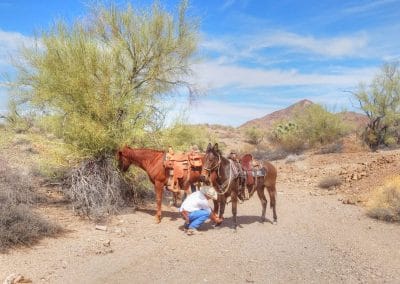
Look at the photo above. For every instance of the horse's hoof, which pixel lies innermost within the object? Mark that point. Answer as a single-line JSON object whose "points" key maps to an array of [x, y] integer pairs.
{"points": [[275, 222], [158, 220]]}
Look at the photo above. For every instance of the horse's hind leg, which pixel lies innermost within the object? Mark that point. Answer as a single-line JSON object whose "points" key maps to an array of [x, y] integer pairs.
{"points": [[263, 199], [272, 196]]}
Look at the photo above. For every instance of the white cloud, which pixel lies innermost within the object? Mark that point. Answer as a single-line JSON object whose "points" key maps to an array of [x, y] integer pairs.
{"points": [[368, 6], [227, 4], [214, 75], [330, 47], [257, 45], [226, 113], [10, 42]]}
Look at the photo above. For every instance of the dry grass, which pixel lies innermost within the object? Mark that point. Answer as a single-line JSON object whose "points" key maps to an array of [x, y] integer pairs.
{"points": [[19, 225], [336, 147], [384, 202], [330, 182]]}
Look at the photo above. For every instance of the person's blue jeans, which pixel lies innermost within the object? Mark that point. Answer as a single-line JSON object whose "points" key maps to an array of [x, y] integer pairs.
{"points": [[196, 218]]}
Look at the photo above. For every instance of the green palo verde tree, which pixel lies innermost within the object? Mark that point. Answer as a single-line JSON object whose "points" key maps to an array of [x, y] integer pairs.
{"points": [[102, 81], [380, 101]]}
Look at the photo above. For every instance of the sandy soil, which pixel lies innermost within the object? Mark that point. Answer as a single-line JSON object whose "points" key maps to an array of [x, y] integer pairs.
{"points": [[318, 239]]}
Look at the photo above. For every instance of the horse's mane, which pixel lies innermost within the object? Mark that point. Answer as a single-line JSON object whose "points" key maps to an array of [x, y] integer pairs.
{"points": [[128, 151]]}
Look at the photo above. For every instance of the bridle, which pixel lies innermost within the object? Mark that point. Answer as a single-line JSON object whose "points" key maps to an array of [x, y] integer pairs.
{"points": [[225, 186]]}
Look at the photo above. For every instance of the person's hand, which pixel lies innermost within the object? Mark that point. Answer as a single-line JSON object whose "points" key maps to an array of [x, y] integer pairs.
{"points": [[185, 216], [215, 218]]}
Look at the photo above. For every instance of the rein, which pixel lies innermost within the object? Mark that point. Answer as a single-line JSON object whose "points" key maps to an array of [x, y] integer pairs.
{"points": [[225, 186]]}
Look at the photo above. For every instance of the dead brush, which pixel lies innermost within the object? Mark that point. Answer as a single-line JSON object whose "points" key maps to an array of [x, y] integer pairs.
{"points": [[19, 225], [97, 189], [384, 202], [330, 182]]}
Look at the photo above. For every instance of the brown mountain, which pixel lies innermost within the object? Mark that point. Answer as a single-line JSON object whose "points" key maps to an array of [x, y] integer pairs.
{"points": [[357, 120], [268, 120]]}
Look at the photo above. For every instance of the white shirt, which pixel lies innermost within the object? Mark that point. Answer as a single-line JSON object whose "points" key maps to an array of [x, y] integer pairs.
{"points": [[195, 201]]}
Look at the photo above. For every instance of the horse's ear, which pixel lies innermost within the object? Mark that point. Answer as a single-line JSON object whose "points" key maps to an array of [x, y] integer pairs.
{"points": [[216, 147], [209, 147]]}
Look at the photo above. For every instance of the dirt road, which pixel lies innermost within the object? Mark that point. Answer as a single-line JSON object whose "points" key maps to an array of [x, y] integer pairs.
{"points": [[317, 240]]}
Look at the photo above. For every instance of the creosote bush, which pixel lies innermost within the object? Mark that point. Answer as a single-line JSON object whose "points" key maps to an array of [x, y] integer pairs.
{"points": [[384, 202]]}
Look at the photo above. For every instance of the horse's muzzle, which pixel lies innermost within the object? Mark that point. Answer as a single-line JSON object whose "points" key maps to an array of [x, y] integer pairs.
{"points": [[205, 176]]}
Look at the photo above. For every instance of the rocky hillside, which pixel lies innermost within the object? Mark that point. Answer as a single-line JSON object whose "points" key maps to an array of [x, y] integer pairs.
{"points": [[234, 138], [354, 119], [268, 120]]}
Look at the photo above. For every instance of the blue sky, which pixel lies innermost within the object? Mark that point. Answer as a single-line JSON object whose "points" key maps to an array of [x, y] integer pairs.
{"points": [[258, 56]]}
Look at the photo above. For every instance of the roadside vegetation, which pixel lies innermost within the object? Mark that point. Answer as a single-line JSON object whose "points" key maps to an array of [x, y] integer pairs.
{"points": [[380, 101], [384, 202], [19, 224], [88, 88], [311, 127]]}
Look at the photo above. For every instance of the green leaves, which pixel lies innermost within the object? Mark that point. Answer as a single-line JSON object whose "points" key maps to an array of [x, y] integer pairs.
{"points": [[103, 78], [381, 103]]}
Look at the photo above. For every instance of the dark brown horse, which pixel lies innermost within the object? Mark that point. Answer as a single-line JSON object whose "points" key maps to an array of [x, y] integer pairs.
{"points": [[152, 162], [218, 170]]}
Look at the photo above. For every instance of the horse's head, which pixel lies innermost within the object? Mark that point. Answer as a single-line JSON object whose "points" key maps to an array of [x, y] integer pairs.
{"points": [[211, 162], [123, 161]]}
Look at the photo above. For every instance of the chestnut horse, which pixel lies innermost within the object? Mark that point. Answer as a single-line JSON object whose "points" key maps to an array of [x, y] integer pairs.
{"points": [[218, 170], [260, 183], [152, 162]]}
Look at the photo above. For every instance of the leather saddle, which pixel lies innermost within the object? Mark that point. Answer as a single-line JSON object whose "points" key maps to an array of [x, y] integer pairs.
{"points": [[178, 166], [252, 168]]}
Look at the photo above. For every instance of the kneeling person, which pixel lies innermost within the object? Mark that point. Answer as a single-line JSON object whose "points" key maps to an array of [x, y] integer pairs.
{"points": [[196, 210]]}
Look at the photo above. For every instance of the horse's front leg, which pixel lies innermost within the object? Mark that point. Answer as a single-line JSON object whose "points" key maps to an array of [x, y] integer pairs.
{"points": [[216, 209], [234, 199], [222, 203], [158, 187]]}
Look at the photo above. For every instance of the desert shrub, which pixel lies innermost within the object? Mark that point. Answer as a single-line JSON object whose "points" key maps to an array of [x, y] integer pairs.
{"points": [[384, 202], [330, 182], [310, 127], [182, 136], [319, 126], [336, 147], [97, 189], [254, 135], [19, 225], [294, 158], [16, 188], [287, 136], [270, 155]]}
